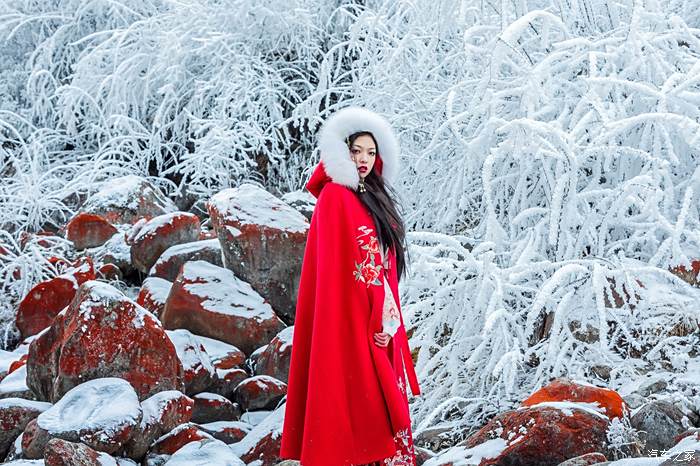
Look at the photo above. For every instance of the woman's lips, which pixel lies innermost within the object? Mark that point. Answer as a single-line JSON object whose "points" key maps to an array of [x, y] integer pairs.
{"points": [[363, 169]]}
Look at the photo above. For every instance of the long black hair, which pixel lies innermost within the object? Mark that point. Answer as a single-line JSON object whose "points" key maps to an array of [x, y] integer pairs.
{"points": [[381, 201]]}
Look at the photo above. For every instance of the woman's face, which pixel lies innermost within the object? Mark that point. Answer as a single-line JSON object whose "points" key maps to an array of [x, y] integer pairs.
{"points": [[363, 152]]}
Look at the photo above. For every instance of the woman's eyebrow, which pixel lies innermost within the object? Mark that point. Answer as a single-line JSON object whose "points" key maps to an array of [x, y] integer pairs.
{"points": [[362, 147]]}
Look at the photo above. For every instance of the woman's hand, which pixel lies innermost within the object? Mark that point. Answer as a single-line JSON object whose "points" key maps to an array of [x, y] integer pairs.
{"points": [[382, 339]]}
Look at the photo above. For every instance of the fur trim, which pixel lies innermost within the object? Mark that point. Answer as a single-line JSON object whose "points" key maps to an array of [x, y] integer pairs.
{"points": [[335, 154]]}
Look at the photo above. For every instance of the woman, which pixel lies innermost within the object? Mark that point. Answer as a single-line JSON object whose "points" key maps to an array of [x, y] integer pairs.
{"points": [[347, 402]]}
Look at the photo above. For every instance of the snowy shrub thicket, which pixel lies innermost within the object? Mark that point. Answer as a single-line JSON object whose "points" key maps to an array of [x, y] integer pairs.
{"points": [[550, 176]]}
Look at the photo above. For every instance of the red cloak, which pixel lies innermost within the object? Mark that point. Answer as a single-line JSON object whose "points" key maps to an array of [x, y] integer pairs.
{"points": [[346, 399]]}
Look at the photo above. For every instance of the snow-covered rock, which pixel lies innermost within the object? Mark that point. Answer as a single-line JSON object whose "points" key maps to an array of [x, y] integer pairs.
{"points": [[205, 453], [263, 441], [159, 234], [227, 431], [103, 334], [15, 414], [59, 452], [153, 294], [211, 301], [161, 413], [199, 372], [100, 413], [180, 436], [210, 407], [259, 392], [169, 263], [275, 358], [14, 385], [89, 230], [263, 242], [126, 199]]}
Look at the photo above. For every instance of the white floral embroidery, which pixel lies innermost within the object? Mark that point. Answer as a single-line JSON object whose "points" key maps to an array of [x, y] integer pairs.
{"points": [[402, 387], [391, 320]]}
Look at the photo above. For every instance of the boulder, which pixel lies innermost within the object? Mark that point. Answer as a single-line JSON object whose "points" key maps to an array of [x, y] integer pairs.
{"points": [[60, 452], [103, 334], [15, 414], [101, 413], [263, 242], [564, 390], [39, 307], [177, 438], [543, 435], [659, 423], [263, 441], [159, 234], [275, 358], [162, 412], [259, 392], [211, 301], [14, 385], [227, 431], [204, 453], [127, 199], [169, 263], [199, 373], [89, 231], [210, 407], [153, 294]]}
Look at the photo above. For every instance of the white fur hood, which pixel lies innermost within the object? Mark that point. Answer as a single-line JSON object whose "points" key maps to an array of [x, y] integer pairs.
{"points": [[334, 151]]}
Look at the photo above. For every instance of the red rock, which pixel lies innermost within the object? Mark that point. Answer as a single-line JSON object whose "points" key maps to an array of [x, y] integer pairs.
{"points": [[89, 230], [259, 392], [543, 435], [103, 334], [211, 301], [227, 431], [566, 390], [15, 414], [690, 276], [263, 242], [126, 199], [153, 294], [17, 364], [210, 407], [262, 443], [199, 373], [160, 233], [39, 307], [60, 452], [170, 262], [109, 272], [177, 438], [275, 358], [227, 381], [34, 441], [162, 413]]}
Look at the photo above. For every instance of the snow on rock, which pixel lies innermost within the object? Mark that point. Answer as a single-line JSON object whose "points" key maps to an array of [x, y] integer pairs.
{"points": [[60, 452], [25, 463], [161, 413], [103, 334], [210, 407], [263, 241], [199, 372], [227, 431], [153, 294], [101, 413], [205, 453], [116, 251], [228, 380], [260, 392], [463, 456], [223, 355], [159, 234], [180, 436], [301, 200], [169, 263], [89, 230], [15, 414], [211, 301], [275, 358], [39, 307], [543, 435], [128, 198], [15, 384], [608, 401], [263, 441]]}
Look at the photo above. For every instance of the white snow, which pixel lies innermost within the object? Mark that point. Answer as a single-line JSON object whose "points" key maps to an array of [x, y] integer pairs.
{"points": [[186, 249], [206, 452], [106, 405], [153, 227], [22, 403], [212, 397], [124, 192], [154, 406], [216, 349], [224, 293], [286, 337], [219, 426], [251, 205], [158, 289], [190, 351], [271, 422], [104, 294], [15, 382], [255, 417], [8, 357], [463, 456], [567, 407]]}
